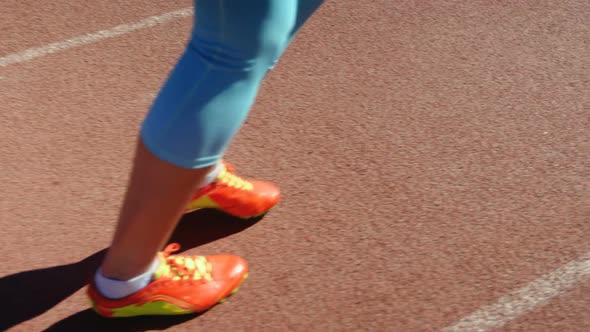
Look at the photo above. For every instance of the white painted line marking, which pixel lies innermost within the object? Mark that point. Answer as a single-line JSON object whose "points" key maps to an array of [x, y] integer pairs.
{"points": [[93, 37], [520, 301]]}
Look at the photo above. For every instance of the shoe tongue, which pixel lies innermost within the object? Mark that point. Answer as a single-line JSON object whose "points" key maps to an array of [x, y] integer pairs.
{"points": [[222, 172], [161, 267]]}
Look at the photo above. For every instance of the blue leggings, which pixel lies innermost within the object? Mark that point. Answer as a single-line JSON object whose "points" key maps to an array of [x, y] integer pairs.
{"points": [[210, 91]]}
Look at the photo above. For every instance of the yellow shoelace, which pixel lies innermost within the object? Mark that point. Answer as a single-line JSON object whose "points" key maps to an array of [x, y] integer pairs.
{"points": [[184, 267], [230, 179]]}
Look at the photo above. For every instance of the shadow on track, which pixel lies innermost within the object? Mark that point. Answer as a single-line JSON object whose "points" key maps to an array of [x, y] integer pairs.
{"points": [[26, 295]]}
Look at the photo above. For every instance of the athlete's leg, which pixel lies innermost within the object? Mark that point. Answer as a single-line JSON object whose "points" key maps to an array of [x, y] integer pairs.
{"points": [[258, 196], [153, 203], [197, 113], [215, 84]]}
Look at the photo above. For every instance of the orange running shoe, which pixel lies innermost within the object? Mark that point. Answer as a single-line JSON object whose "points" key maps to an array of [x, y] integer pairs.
{"points": [[242, 198], [181, 285]]}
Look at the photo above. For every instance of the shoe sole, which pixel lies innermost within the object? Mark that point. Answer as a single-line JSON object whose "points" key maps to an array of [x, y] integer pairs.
{"points": [[222, 300], [233, 215], [235, 290]]}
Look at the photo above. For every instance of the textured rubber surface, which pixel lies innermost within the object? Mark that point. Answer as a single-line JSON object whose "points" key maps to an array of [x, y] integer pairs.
{"points": [[432, 157]]}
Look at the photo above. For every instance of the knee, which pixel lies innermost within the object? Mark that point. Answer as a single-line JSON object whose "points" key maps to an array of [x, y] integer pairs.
{"points": [[272, 43], [244, 44]]}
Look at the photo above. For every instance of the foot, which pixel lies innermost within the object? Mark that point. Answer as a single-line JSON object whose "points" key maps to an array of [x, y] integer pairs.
{"points": [[181, 285], [236, 196]]}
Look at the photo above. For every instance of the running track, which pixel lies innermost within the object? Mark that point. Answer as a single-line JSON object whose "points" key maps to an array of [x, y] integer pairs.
{"points": [[433, 157]]}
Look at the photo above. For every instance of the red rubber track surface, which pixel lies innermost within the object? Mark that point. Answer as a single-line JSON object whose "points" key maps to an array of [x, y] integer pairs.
{"points": [[433, 156]]}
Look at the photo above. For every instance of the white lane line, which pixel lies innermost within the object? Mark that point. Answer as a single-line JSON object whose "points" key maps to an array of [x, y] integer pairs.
{"points": [[520, 301], [93, 37]]}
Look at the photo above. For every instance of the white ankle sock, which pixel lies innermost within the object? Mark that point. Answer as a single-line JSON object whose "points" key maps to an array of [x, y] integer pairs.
{"points": [[211, 176], [116, 289]]}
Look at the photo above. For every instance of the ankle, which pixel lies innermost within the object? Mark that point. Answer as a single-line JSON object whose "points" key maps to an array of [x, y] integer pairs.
{"points": [[114, 288], [211, 176]]}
